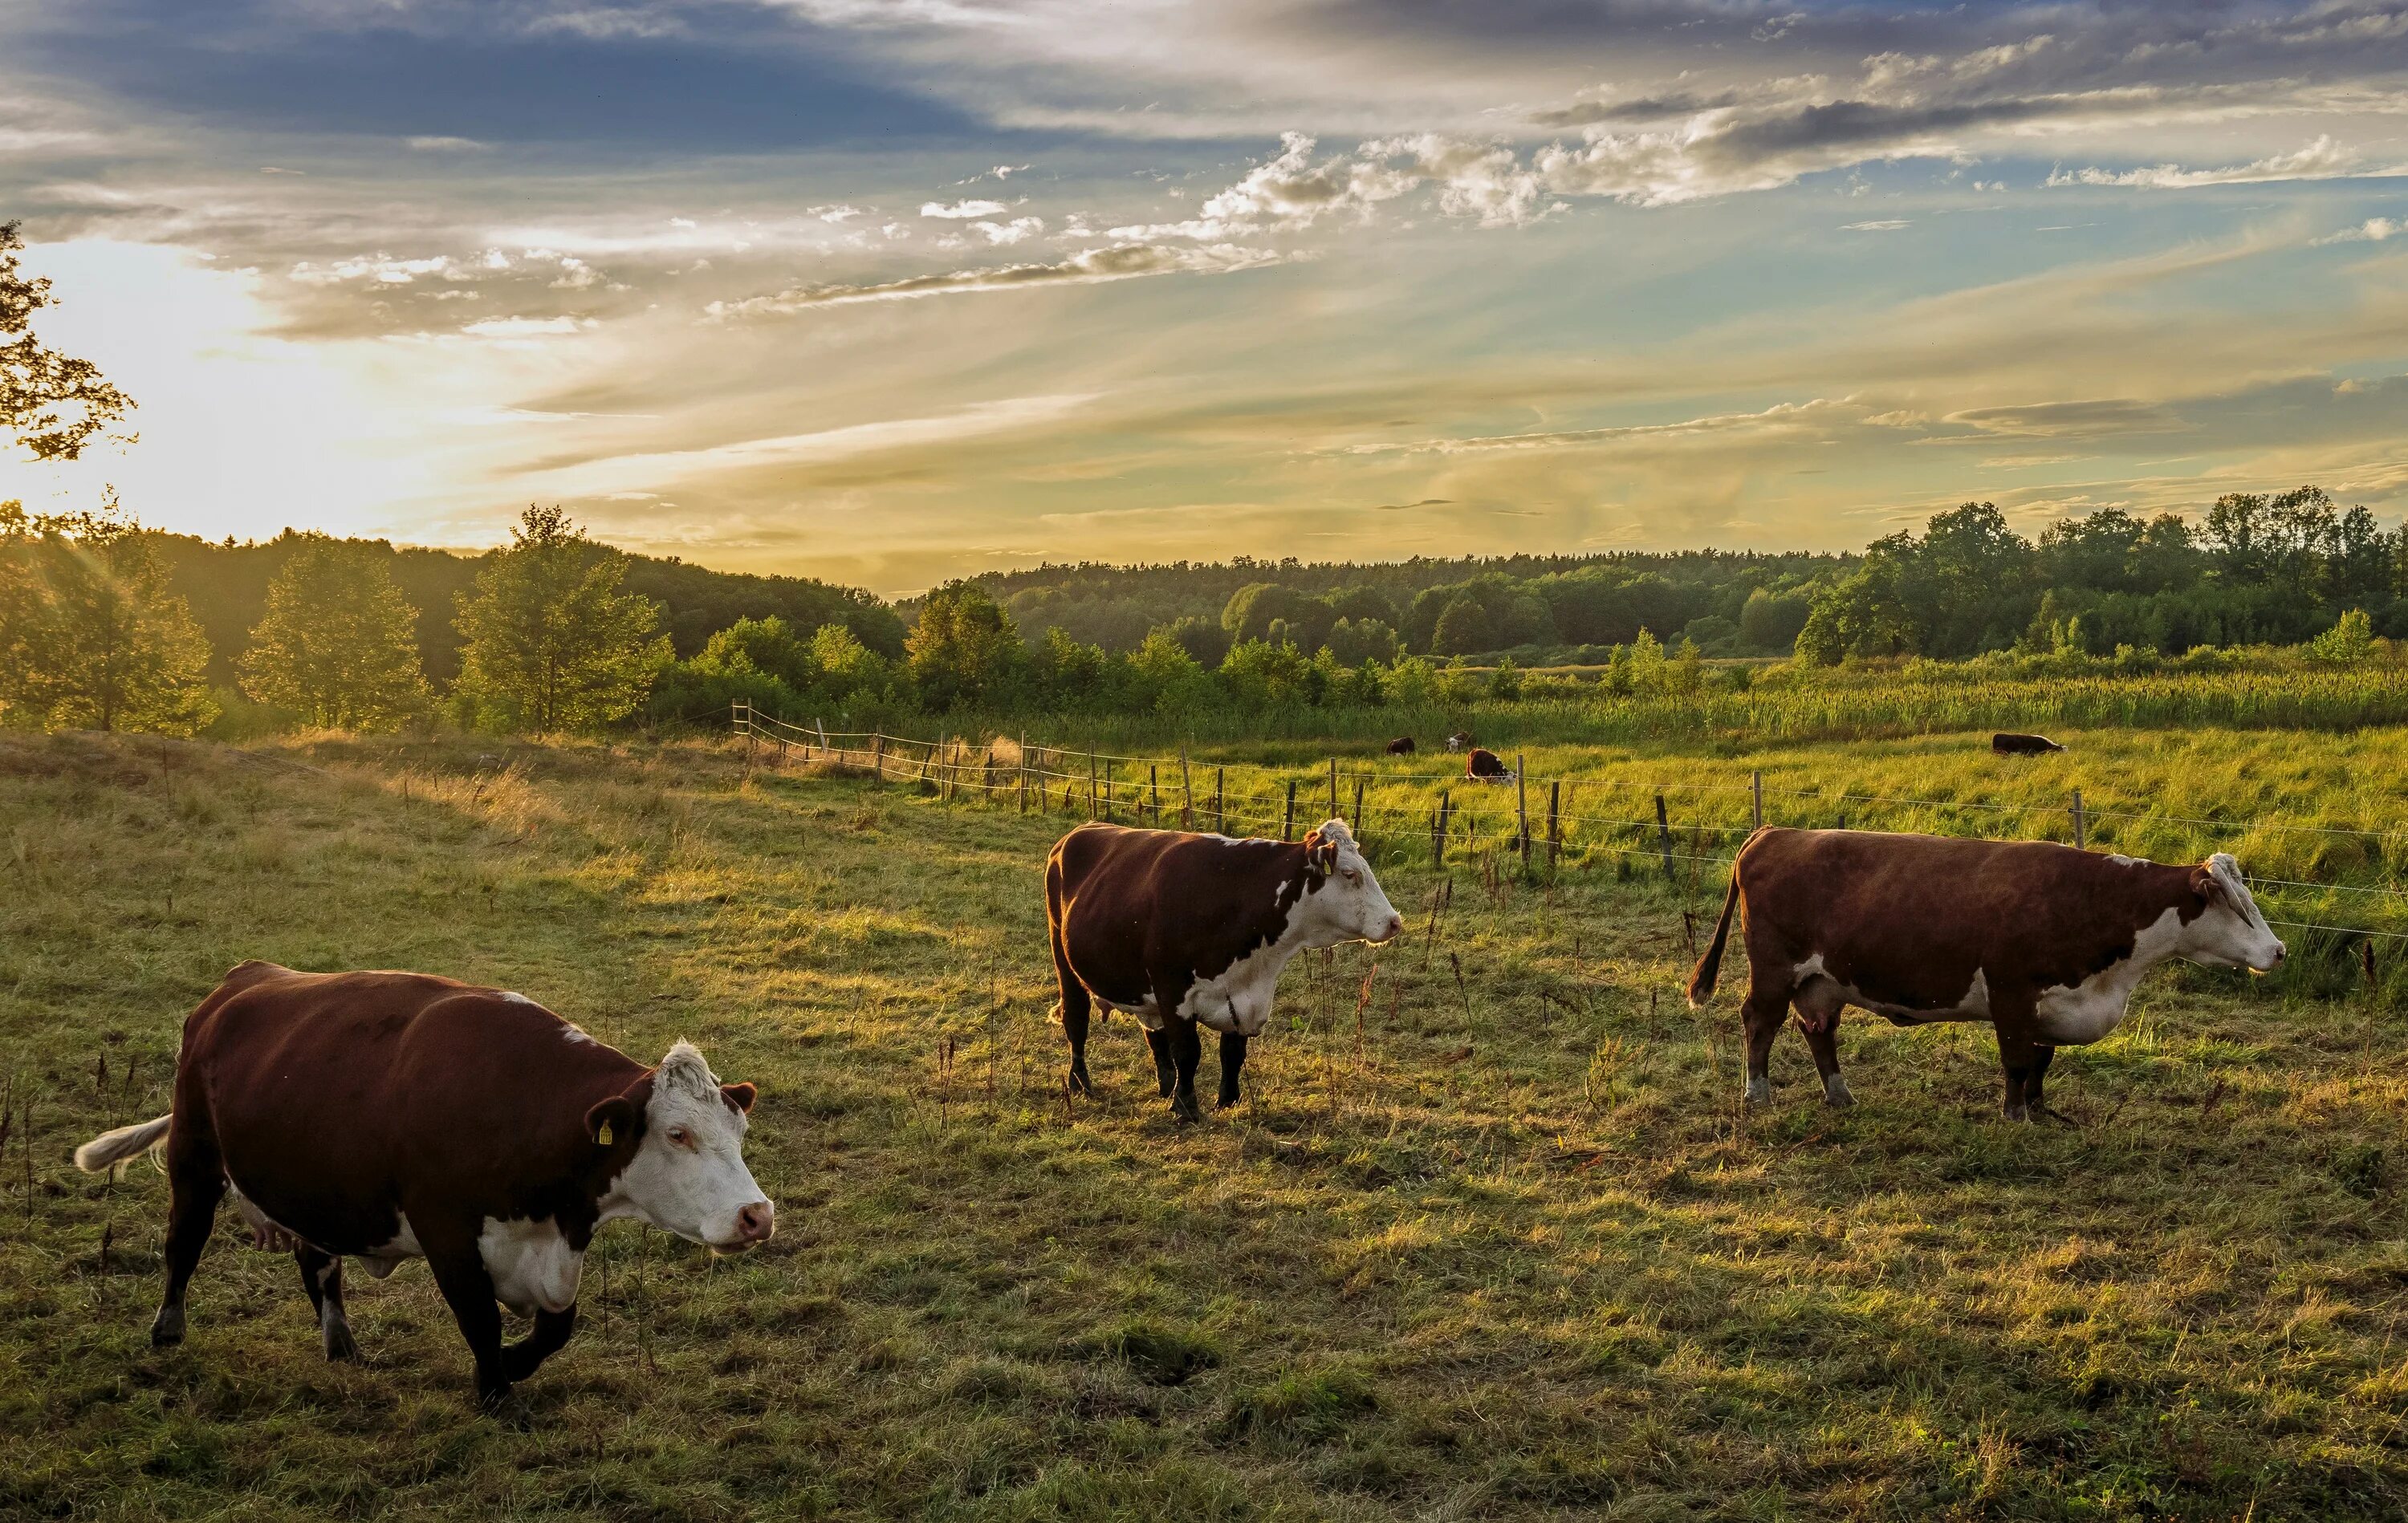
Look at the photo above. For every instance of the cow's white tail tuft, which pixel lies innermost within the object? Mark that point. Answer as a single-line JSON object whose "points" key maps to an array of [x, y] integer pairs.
{"points": [[112, 1148]]}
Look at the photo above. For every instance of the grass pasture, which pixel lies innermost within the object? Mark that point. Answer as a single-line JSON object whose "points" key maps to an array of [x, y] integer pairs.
{"points": [[1498, 1243]]}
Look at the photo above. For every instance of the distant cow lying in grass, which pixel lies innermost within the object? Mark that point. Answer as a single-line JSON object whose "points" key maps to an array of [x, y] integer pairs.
{"points": [[392, 1115], [1401, 746], [1487, 766], [1460, 740], [2005, 742], [2044, 942], [1184, 930]]}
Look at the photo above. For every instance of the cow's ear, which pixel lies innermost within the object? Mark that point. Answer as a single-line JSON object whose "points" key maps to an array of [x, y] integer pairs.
{"points": [[610, 1121], [2204, 884], [739, 1096], [1320, 853]]}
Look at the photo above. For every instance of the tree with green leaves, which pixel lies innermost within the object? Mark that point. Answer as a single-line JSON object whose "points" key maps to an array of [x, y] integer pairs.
{"points": [[339, 645], [964, 650], [52, 404], [549, 642], [90, 636]]}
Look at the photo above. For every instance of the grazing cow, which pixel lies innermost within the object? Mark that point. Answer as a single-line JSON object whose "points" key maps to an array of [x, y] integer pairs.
{"points": [[392, 1115], [1487, 766], [1401, 746], [1182, 930], [2006, 743], [1460, 740], [2044, 942]]}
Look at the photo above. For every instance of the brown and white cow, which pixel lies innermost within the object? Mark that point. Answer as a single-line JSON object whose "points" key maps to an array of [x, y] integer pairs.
{"points": [[2044, 941], [1183, 930], [1487, 766], [393, 1116]]}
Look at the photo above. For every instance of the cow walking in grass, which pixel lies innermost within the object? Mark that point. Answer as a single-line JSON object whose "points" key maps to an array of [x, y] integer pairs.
{"points": [[1183, 930], [2044, 942], [393, 1116]]}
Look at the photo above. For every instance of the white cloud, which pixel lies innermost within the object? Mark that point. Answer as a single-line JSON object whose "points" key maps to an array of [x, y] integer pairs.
{"points": [[2323, 159], [1018, 230], [2373, 230], [1886, 226], [1121, 262], [528, 327], [445, 145], [963, 210]]}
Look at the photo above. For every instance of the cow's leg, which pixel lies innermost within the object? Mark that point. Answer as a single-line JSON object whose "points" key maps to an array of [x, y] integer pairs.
{"points": [[551, 1329], [1761, 1018], [1233, 1058], [1823, 1041], [1158, 1043], [1074, 1008], [196, 1182], [2042, 1054], [468, 1288], [321, 1275], [1186, 1051], [2019, 1052]]}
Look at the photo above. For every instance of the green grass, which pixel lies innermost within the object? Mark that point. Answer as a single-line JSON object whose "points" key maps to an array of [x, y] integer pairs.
{"points": [[1512, 1251]]}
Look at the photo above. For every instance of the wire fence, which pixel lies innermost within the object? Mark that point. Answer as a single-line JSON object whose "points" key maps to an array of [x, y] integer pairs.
{"points": [[1688, 830]]}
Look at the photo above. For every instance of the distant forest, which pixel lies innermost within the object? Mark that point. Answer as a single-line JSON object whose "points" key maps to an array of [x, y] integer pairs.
{"points": [[2255, 569], [226, 585]]}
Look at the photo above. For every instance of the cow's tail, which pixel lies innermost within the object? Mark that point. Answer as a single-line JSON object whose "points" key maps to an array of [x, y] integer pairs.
{"points": [[1701, 977], [112, 1148]]}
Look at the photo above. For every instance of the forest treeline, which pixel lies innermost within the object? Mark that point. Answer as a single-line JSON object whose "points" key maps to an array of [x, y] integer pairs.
{"points": [[106, 624]]}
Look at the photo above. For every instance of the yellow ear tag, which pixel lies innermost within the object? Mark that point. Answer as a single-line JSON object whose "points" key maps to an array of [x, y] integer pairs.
{"points": [[603, 1136]]}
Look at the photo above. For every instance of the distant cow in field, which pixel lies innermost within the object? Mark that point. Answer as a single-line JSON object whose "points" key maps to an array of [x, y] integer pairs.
{"points": [[1401, 746], [392, 1115], [2008, 743], [2044, 941], [1460, 740], [1184, 930], [1487, 766]]}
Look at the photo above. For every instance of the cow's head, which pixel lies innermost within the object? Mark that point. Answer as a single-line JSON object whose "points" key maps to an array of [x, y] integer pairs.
{"points": [[686, 1175], [1342, 901], [2228, 931]]}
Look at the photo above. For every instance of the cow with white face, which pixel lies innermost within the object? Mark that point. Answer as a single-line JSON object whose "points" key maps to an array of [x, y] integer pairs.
{"points": [[393, 1116], [1183, 930], [2044, 942]]}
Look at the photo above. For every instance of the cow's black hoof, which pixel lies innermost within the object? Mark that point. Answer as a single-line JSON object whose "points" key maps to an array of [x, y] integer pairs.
{"points": [[167, 1328], [493, 1397], [1224, 1100], [1079, 1082], [340, 1347], [1183, 1111], [2017, 1112]]}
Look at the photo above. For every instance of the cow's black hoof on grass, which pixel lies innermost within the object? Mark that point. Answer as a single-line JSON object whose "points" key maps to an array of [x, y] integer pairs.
{"points": [[1183, 1111], [340, 1349], [1079, 1082], [167, 1329]]}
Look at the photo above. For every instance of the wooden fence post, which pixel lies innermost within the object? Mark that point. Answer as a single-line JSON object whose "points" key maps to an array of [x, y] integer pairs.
{"points": [[1755, 800], [2079, 832], [1220, 815], [1554, 823], [1153, 793], [1663, 835], [1187, 792], [1438, 830], [878, 755], [1333, 789], [1024, 772], [822, 730], [1522, 809], [744, 718], [1359, 809], [1091, 782], [1288, 818]]}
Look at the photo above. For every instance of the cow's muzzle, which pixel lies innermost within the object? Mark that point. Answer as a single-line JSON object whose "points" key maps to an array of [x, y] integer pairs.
{"points": [[754, 1223]]}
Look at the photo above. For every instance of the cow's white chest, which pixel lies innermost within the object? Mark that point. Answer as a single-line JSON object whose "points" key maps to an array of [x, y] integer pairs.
{"points": [[2071, 1014], [532, 1265], [1237, 999]]}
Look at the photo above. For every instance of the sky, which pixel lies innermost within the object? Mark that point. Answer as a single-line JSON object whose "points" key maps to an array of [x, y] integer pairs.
{"points": [[887, 291]]}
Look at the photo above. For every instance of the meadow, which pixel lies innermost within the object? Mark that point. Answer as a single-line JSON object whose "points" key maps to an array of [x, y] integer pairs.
{"points": [[1491, 1235]]}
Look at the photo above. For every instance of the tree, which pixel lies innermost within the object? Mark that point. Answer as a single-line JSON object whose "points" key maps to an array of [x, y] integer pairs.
{"points": [[53, 404], [964, 650], [1463, 628], [340, 643], [549, 641], [90, 636], [1862, 615], [2348, 642]]}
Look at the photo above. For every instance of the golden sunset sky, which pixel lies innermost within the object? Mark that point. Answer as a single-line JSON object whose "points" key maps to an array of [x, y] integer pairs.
{"points": [[886, 292]]}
